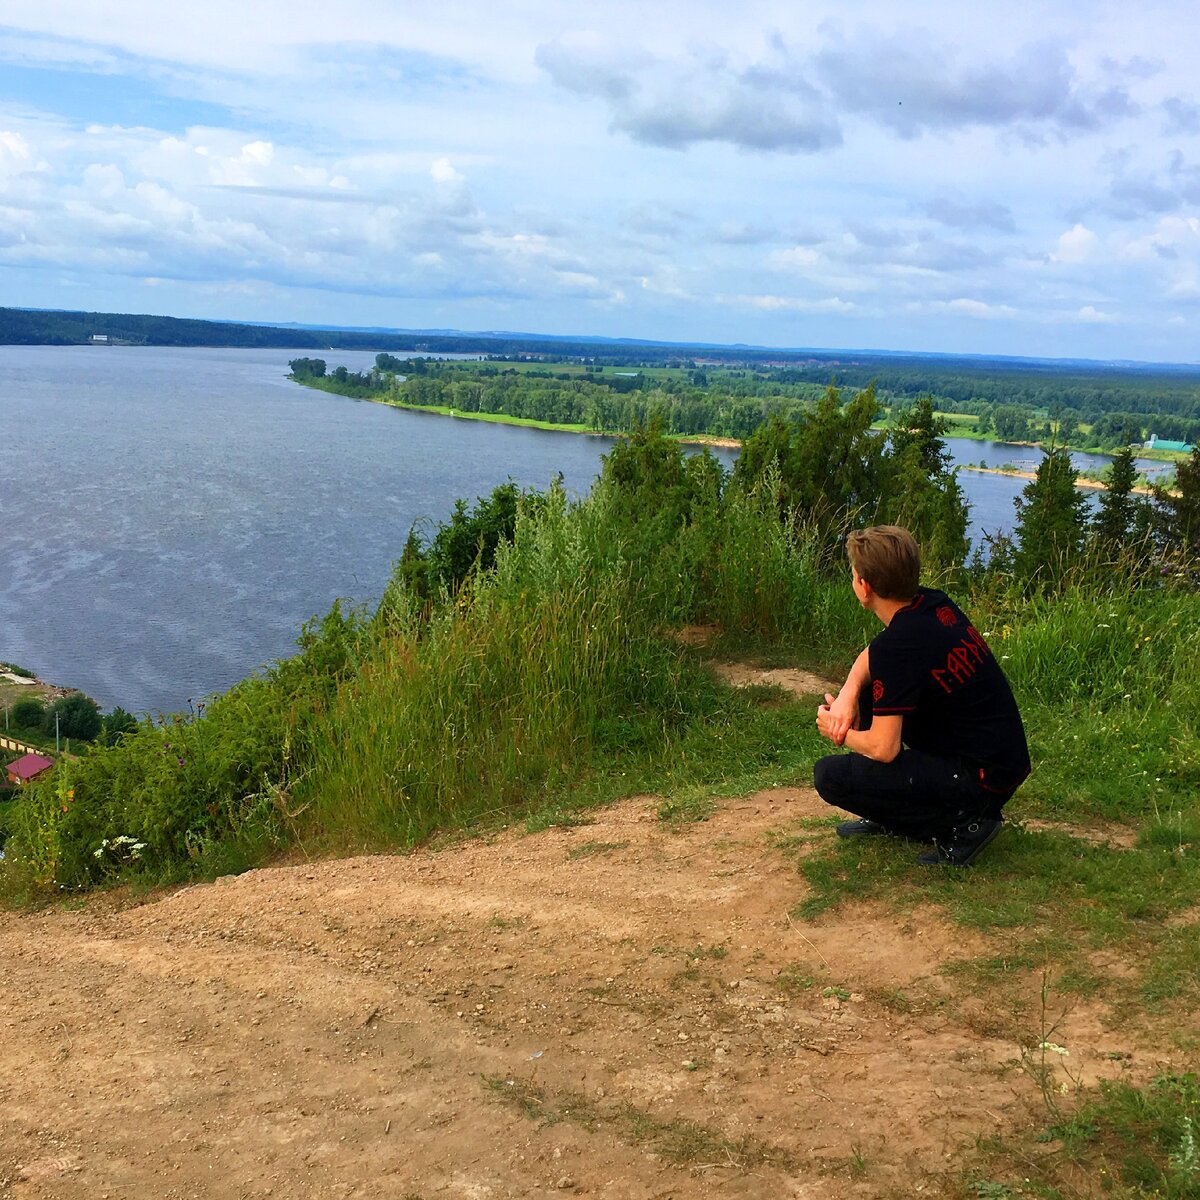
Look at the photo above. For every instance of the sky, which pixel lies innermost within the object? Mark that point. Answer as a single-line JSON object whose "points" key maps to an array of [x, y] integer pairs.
{"points": [[1017, 178]]}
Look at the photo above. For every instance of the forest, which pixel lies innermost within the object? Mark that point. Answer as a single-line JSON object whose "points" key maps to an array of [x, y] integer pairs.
{"points": [[691, 399]]}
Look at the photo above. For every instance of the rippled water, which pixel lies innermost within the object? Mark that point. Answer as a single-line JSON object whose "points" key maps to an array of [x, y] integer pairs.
{"points": [[171, 516]]}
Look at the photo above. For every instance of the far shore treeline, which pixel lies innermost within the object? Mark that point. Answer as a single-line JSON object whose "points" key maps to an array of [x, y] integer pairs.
{"points": [[733, 401]]}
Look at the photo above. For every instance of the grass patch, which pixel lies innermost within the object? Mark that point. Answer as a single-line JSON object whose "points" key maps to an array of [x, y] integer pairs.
{"points": [[692, 1144], [1119, 1140], [1043, 896], [680, 1141]]}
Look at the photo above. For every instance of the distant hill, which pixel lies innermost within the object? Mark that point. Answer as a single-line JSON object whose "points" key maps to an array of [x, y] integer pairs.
{"points": [[53, 327], [49, 327]]}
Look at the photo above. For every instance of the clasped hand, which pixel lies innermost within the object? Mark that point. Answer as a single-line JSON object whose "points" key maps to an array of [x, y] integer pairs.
{"points": [[836, 717]]}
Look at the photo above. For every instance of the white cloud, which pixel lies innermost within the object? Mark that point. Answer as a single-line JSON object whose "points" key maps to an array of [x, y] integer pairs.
{"points": [[17, 156], [965, 306], [897, 187], [705, 97], [443, 172], [1078, 244], [770, 303]]}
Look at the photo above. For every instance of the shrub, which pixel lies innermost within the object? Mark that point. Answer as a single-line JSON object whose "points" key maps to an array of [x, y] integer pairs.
{"points": [[27, 713], [74, 716]]}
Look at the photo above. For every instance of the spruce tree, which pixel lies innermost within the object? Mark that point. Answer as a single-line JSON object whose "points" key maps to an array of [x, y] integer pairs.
{"points": [[1051, 519], [1113, 521], [1179, 509]]}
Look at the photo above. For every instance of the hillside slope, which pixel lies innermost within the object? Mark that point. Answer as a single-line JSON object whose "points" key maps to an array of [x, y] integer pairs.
{"points": [[618, 1009]]}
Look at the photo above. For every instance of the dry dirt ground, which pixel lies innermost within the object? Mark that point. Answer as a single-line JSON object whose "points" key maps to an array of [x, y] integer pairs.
{"points": [[619, 1009]]}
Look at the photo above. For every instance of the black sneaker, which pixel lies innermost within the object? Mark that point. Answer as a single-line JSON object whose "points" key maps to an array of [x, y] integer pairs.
{"points": [[862, 828], [964, 844]]}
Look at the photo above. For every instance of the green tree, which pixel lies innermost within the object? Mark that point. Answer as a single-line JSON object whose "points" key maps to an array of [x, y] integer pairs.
{"points": [[831, 462], [1068, 424], [1117, 429], [654, 488], [78, 716], [1179, 509], [115, 724], [307, 368], [1011, 422], [470, 538], [1051, 517], [922, 491], [27, 713], [1113, 521]]}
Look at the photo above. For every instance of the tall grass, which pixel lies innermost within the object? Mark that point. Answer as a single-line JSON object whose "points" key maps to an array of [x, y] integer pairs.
{"points": [[516, 681], [1108, 688]]}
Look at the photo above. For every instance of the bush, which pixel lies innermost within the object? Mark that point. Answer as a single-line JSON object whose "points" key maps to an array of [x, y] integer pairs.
{"points": [[27, 713], [116, 724], [189, 791], [73, 716]]}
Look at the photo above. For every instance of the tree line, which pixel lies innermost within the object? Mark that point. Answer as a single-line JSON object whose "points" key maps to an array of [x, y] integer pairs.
{"points": [[691, 401]]}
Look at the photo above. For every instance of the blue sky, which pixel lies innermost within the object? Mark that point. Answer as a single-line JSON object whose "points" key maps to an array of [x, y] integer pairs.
{"points": [[1010, 179]]}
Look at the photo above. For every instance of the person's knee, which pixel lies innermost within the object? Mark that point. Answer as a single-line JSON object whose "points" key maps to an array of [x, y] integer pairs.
{"points": [[829, 777]]}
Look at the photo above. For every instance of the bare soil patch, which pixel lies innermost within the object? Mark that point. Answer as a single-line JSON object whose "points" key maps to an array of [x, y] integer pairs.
{"points": [[615, 1010], [1119, 837], [798, 683]]}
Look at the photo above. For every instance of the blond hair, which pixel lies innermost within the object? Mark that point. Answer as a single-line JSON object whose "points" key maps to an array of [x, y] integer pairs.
{"points": [[888, 558]]}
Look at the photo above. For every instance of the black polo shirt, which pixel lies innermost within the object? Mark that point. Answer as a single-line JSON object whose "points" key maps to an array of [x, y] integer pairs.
{"points": [[930, 667]]}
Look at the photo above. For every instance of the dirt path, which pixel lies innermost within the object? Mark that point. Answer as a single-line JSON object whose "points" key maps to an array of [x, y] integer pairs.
{"points": [[614, 1010]]}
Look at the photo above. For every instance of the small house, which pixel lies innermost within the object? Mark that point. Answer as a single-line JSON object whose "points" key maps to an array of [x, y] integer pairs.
{"points": [[28, 767]]}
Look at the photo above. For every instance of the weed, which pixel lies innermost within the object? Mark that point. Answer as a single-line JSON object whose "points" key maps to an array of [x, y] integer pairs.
{"points": [[1045, 1059], [690, 1143], [556, 816], [498, 922], [523, 1095], [680, 1141], [794, 979], [687, 809], [988, 1189]]}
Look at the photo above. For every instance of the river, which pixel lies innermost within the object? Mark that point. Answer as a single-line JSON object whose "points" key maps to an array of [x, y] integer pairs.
{"points": [[171, 516]]}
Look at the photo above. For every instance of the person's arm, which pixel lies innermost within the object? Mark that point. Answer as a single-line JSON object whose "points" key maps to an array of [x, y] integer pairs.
{"points": [[881, 742], [842, 712]]}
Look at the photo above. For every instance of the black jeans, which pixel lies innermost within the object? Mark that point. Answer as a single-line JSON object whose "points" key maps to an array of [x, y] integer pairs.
{"points": [[917, 795]]}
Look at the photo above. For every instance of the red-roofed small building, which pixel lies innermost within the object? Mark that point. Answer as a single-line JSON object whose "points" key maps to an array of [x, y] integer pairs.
{"points": [[28, 767]]}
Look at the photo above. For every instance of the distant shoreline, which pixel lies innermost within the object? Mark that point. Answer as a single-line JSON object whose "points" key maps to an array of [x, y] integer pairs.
{"points": [[1093, 484]]}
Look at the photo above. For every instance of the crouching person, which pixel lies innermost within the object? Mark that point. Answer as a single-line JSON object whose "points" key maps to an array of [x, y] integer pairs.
{"points": [[937, 745]]}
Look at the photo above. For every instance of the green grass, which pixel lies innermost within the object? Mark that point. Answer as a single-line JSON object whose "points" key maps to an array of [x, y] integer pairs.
{"points": [[1041, 897], [494, 418], [591, 849], [1119, 1140], [679, 1141]]}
